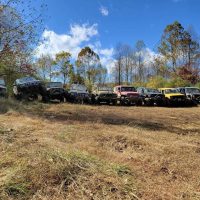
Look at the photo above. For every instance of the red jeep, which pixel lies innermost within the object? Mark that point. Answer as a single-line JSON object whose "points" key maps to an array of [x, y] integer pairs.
{"points": [[127, 95]]}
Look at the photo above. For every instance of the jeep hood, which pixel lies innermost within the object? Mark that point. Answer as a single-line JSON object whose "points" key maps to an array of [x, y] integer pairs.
{"points": [[174, 95]]}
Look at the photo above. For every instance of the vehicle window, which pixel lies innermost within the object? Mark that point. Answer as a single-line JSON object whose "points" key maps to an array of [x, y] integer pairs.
{"points": [[54, 84], [169, 91], [78, 87], [128, 89], [192, 90], [2, 82], [182, 91], [152, 90]]}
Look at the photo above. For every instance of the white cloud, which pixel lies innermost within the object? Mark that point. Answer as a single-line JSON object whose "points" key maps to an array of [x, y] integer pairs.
{"points": [[104, 11], [54, 43], [78, 37], [149, 55]]}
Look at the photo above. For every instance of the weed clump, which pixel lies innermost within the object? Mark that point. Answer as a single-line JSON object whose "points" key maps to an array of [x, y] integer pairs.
{"points": [[68, 176]]}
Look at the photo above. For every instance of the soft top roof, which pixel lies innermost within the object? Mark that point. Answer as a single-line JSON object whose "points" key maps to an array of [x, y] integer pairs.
{"points": [[78, 87], [25, 80]]}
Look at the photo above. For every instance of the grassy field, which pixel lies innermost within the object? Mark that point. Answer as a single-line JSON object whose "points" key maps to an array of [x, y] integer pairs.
{"points": [[65, 151]]}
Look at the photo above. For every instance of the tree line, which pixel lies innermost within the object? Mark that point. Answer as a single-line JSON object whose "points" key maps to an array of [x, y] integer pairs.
{"points": [[175, 61], [87, 68]]}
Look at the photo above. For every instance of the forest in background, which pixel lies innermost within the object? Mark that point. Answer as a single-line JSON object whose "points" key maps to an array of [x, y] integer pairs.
{"points": [[176, 61]]}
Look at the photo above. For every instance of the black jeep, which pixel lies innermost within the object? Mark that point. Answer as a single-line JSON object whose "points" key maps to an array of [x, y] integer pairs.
{"points": [[192, 94], [56, 91], [151, 96], [78, 93], [29, 88], [3, 89]]}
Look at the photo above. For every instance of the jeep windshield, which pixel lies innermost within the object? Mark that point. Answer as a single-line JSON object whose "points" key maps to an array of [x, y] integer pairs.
{"points": [[169, 91], [192, 90], [78, 88], [54, 85], [128, 89], [105, 89], [25, 80], [2, 82], [150, 90]]}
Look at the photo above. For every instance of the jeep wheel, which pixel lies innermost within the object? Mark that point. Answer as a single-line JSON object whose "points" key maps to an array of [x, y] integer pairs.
{"points": [[114, 102], [167, 102], [62, 100], [139, 102], [150, 103], [39, 97], [108, 102]]}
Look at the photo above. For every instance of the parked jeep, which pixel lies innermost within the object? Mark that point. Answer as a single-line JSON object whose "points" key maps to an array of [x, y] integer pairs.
{"points": [[127, 95], [151, 96], [104, 95], [29, 88], [3, 88], [191, 93], [56, 91], [78, 94], [173, 96]]}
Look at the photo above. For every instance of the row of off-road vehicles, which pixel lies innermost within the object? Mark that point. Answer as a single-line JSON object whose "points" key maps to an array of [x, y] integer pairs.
{"points": [[29, 88]]}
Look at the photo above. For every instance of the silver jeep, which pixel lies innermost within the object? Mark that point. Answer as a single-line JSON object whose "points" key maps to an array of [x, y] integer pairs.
{"points": [[104, 95]]}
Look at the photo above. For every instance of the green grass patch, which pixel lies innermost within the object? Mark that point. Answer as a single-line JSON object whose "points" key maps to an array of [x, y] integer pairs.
{"points": [[74, 175]]}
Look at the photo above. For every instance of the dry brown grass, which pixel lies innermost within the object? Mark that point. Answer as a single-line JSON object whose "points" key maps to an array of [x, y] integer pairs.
{"points": [[64, 151]]}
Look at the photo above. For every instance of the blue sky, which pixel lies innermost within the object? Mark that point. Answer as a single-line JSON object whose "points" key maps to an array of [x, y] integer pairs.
{"points": [[107, 22]]}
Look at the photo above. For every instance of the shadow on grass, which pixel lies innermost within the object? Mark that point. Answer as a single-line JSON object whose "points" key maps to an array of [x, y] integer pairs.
{"points": [[115, 119], [91, 115]]}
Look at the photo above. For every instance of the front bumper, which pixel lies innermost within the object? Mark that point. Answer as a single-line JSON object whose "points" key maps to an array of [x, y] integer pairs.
{"points": [[106, 98], [130, 100], [178, 100]]}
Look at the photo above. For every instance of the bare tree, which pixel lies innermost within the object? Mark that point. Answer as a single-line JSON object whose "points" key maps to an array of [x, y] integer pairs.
{"points": [[139, 50], [119, 55]]}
